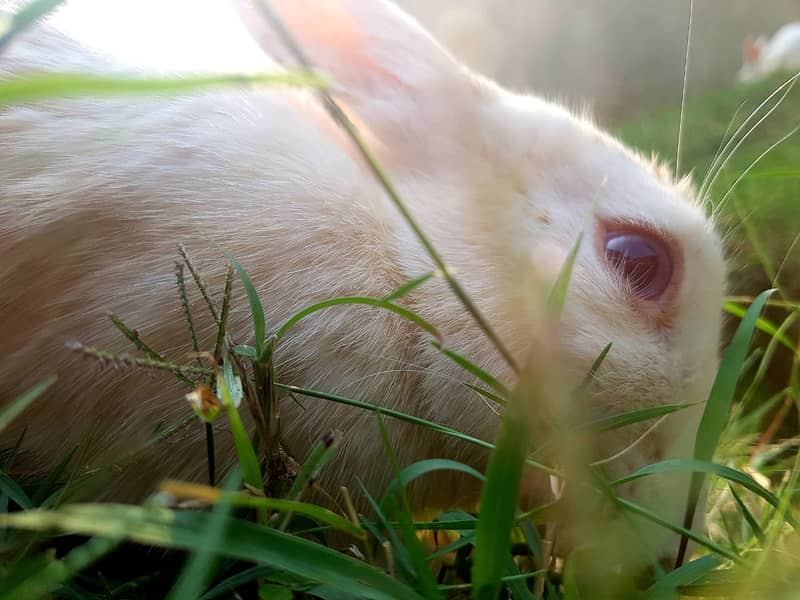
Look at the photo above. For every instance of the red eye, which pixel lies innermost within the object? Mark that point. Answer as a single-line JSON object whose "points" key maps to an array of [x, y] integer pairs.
{"points": [[642, 259]]}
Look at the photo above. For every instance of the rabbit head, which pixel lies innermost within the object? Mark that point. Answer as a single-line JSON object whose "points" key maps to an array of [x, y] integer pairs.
{"points": [[503, 184], [752, 58]]}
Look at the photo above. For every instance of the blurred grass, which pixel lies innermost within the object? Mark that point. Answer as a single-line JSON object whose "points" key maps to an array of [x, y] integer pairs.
{"points": [[768, 197]]}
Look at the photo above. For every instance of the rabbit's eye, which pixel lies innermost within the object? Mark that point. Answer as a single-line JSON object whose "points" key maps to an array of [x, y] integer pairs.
{"points": [[642, 259]]}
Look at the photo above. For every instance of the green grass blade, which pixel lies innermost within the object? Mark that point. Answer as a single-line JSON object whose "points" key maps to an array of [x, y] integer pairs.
{"points": [[466, 536], [767, 358], [464, 540], [683, 531], [193, 491], [245, 350], [537, 515], [12, 489], [701, 466], [10, 412], [405, 289], [752, 361], [498, 506], [256, 308], [272, 591], [385, 411], [399, 505], [474, 370], [456, 516], [619, 421], [558, 293], [324, 592], [358, 300], [635, 416], [718, 406], [231, 396], [421, 468], [516, 582], [402, 559], [47, 86], [242, 540], [532, 538], [748, 516], [510, 579], [10, 454], [316, 460], [24, 575], [452, 525], [486, 394], [666, 587], [587, 379], [50, 485], [25, 17], [762, 324], [227, 586], [750, 422], [720, 398], [200, 567], [317, 513], [449, 431], [57, 572]]}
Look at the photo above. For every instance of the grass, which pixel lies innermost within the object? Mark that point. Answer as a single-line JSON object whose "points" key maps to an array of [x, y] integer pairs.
{"points": [[762, 217], [247, 538]]}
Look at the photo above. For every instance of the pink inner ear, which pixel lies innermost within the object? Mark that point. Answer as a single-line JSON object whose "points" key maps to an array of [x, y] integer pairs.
{"points": [[322, 27], [336, 40], [752, 51]]}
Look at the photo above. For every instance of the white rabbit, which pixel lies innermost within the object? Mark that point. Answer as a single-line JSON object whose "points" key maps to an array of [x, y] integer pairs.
{"points": [[97, 192], [762, 57]]}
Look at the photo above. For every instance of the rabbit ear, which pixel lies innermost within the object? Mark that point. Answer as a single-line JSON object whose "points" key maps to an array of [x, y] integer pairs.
{"points": [[752, 49], [390, 72]]}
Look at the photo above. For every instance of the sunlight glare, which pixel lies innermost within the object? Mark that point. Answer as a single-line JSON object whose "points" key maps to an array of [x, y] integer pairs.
{"points": [[182, 35]]}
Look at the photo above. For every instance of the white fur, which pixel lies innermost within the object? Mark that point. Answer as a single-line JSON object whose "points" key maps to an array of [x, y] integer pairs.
{"points": [[96, 193], [764, 57]]}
